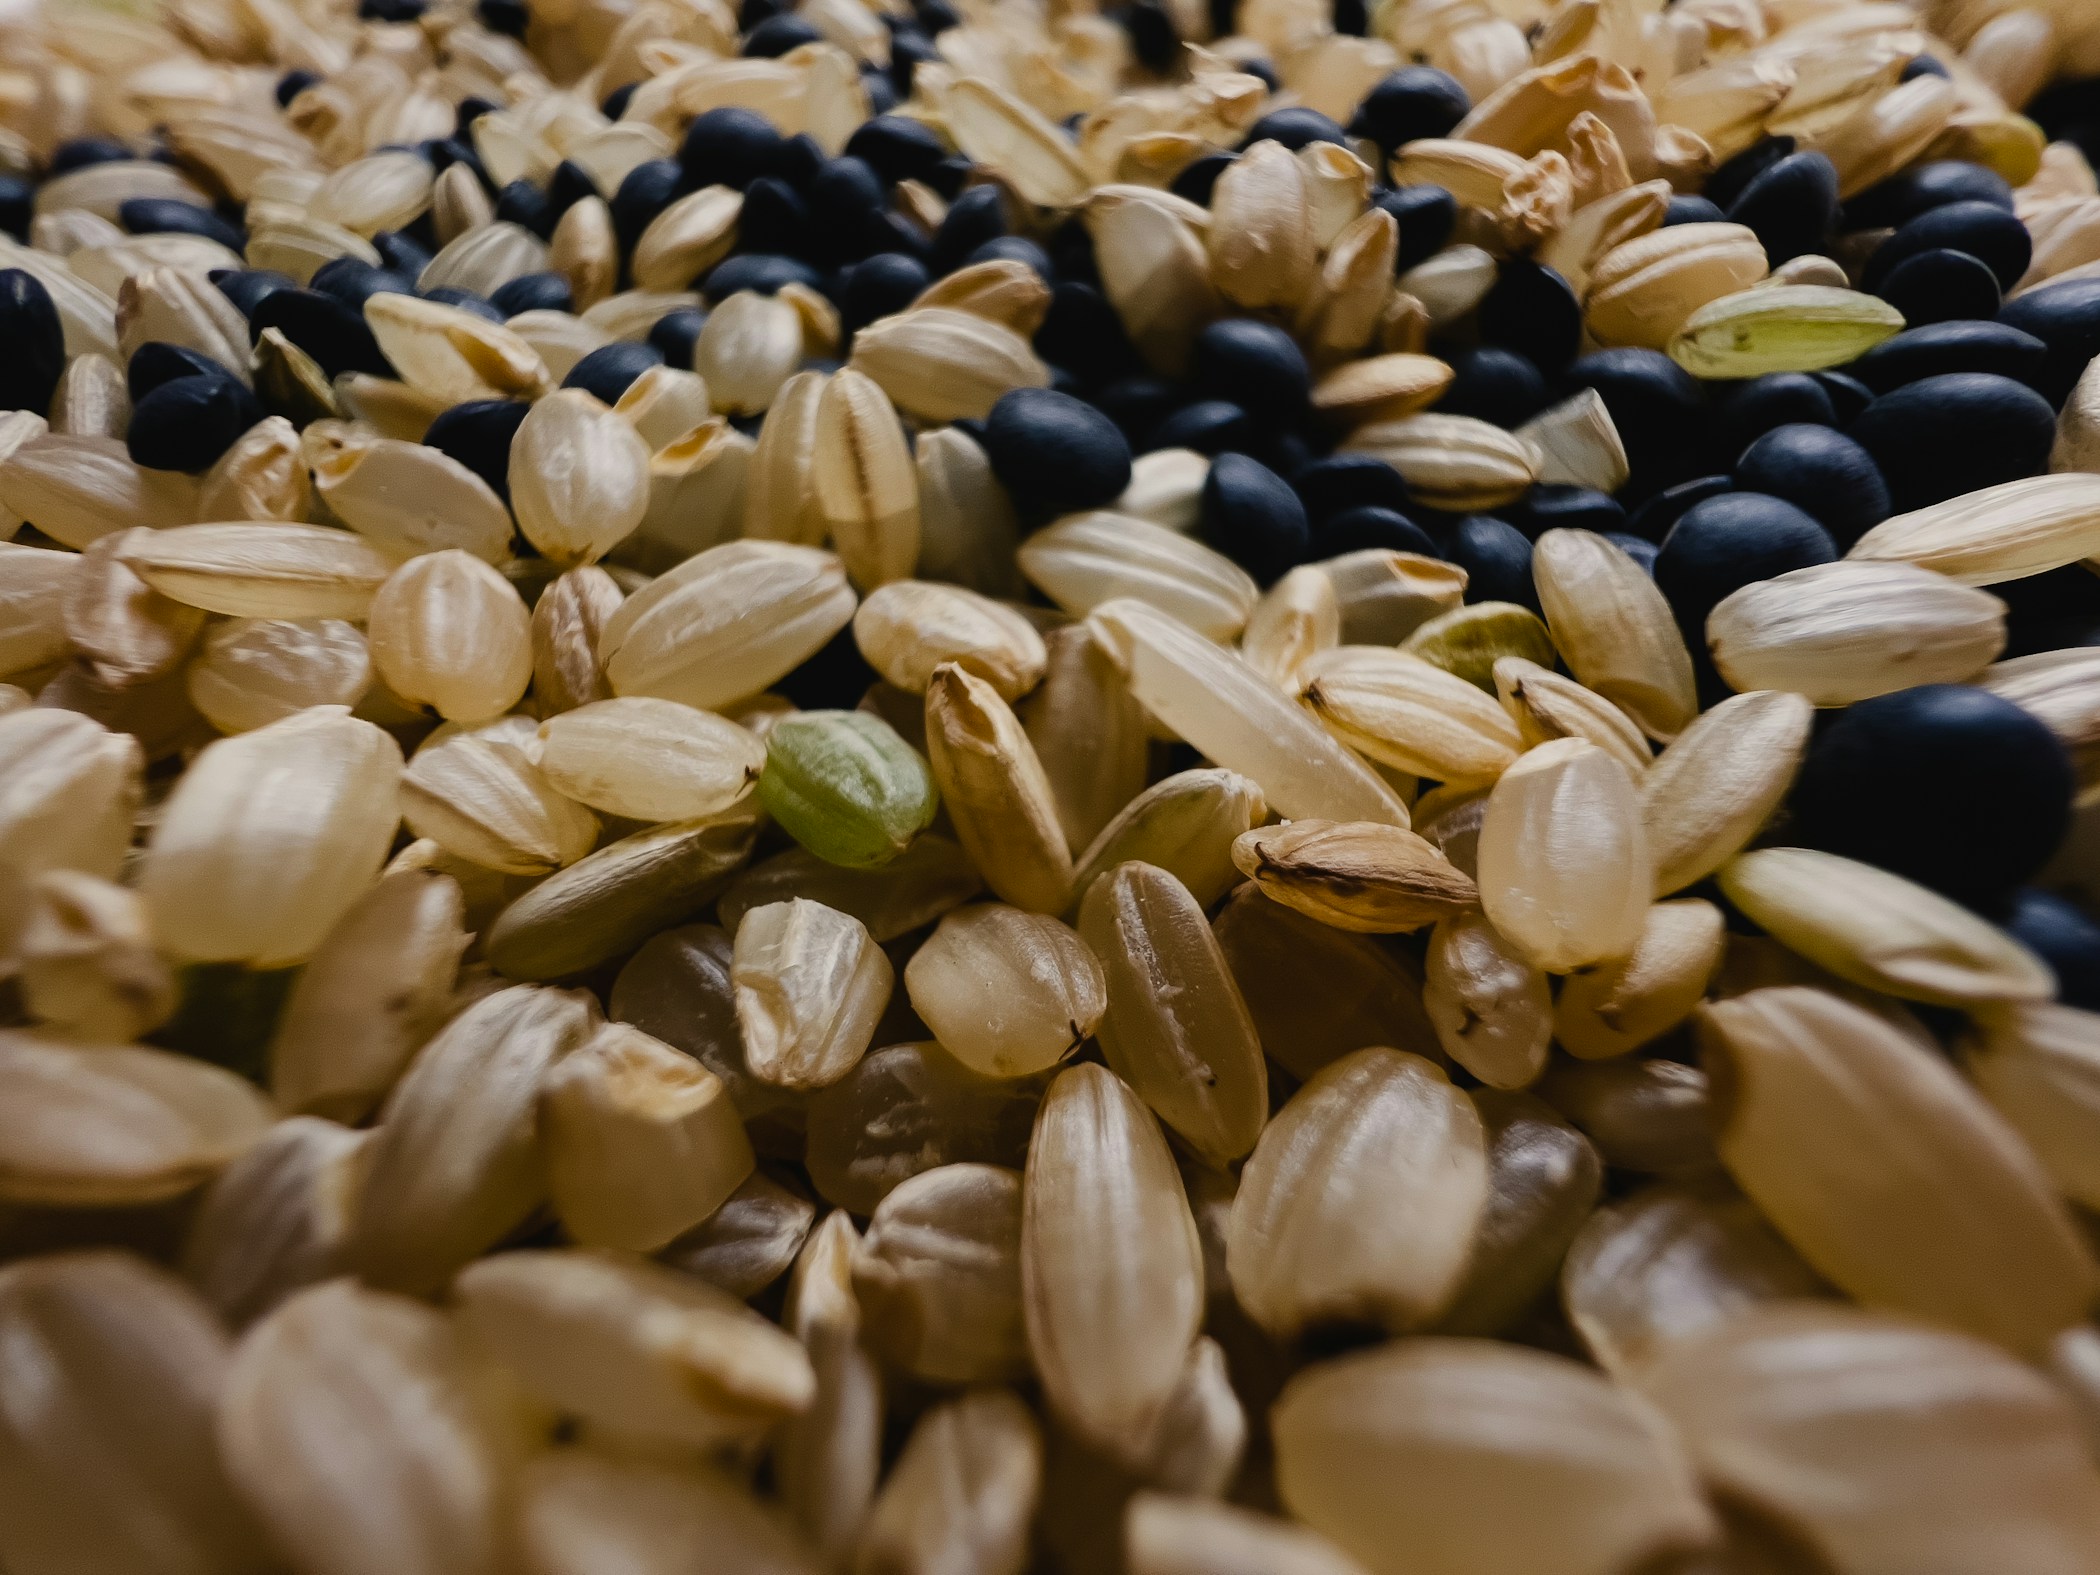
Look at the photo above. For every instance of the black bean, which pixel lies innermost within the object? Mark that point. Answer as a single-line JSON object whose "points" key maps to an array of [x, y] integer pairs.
{"points": [[444, 152], [1848, 395], [291, 85], [1658, 408], [749, 13], [401, 253], [1348, 481], [1532, 310], [1256, 365], [332, 333], [1944, 436], [896, 147], [1941, 287], [1152, 36], [478, 434], [2066, 318], [1082, 334], [1492, 384], [1734, 176], [1728, 542], [2065, 937], [1792, 206], [881, 91], [845, 201], [1295, 128], [1052, 450], [36, 343], [1642, 551], [1198, 180], [1983, 230], [354, 282], [757, 271], [1556, 506], [465, 113], [798, 159], [614, 105], [1894, 202], [1351, 530], [1426, 215], [1686, 209], [1497, 559], [1413, 102], [774, 218], [465, 300], [1137, 404], [526, 205], [1250, 514], [167, 215], [1351, 17], [977, 216], [936, 16], [1822, 472], [1015, 248], [188, 422], [77, 153], [156, 362], [885, 283], [647, 190], [247, 288], [908, 52], [1653, 519], [1921, 66], [608, 371], [2050, 610], [1946, 784], [1746, 411], [567, 186], [728, 147], [1209, 426], [1264, 71], [776, 35], [533, 292], [675, 333]]}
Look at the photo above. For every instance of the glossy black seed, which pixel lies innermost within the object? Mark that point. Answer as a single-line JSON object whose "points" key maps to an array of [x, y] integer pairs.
{"points": [[2066, 318], [188, 422], [35, 342], [1921, 66], [1351, 17], [1295, 128], [776, 35], [335, 335], [1493, 384], [533, 292], [1746, 411], [1894, 202], [167, 215], [2051, 610], [774, 218], [610, 370], [401, 253], [77, 153], [798, 159], [567, 186], [1200, 179], [1082, 334], [1497, 559], [1209, 426], [156, 362], [881, 91], [1822, 472], [1944, 436], [291, 85], [1366, 526], [465, 300], [1152, 36], [1556, 506], [1425, 214], [675, 333], [478, 434], [1848, 395], [525, 205], [756, 271], [1946, 784], [1792, 206], [1982, 229], [975, 217], [1049, 449], [1015, 248], [728, 147], [1941, 287], [1643, 552], [1250, 514], [248, 287], [354, 282], [1653, 519], [885, 283], [1137, 404], [1532, 310], [444, 152], [1734, 176], [1256, 365], [908, 52], [897, 148], [1685, 209], [1347, 481], [1727, 542], [389, 10], [749, 13], [936, 16], [2065, 937], [1658, 408], [1264, 70], [614, 106], [1413, 102]]}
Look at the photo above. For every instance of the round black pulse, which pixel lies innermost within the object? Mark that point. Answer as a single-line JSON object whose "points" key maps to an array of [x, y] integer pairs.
{"points": [[1347, 481], [1944, 436], [1256, 365], [1792, 205], [2065, 937], [1821, 472], [1746, 411], [478, 434], [1352, 530], [1941, 286], [188, 422], [1413, 102], [1946, 784], [610, 370], [1728, 542], [1250, 514], [1053, 451], [1942, 348], [1984, 230], [2066, 318], [35, 340], [1497, 559]]}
